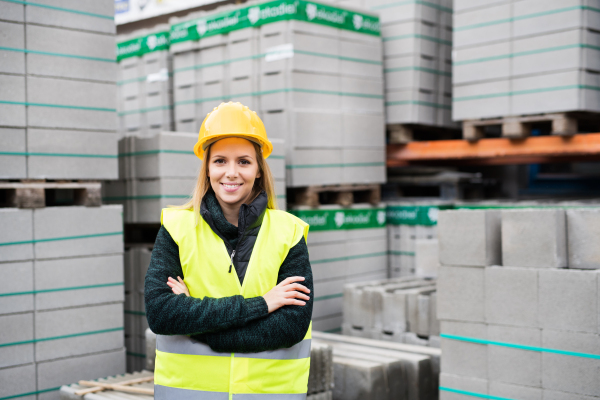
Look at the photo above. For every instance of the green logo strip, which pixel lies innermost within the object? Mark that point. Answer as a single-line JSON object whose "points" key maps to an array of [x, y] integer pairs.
{"points": [[415, 214], [274, 11], [342, 219], [143, 45]]}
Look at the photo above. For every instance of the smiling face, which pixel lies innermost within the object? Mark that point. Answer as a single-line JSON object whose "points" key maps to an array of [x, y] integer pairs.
{"points": [[232, 169]]}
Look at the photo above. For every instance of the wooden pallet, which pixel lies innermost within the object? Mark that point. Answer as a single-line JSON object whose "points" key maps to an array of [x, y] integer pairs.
{"points": [[564, 124], [406, 133], [344, 195], [40, 193]]}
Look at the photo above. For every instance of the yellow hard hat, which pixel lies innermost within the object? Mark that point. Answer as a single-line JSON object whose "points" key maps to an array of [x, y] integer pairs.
{"points": [[232, 120]]}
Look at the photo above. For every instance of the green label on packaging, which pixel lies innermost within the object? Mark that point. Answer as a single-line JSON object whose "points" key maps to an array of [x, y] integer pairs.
{"points": [[328, 220], [143, 45], [415, 214], [273, 11]]}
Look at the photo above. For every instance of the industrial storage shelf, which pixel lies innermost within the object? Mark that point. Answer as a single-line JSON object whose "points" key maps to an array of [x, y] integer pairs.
{"points": [[497, 151]]}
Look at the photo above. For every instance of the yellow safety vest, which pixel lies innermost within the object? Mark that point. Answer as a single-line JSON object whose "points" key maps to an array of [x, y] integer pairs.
{"points": [[186, 369]]}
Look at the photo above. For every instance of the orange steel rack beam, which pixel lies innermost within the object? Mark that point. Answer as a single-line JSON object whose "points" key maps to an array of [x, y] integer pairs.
{"points": [[497, 151]]}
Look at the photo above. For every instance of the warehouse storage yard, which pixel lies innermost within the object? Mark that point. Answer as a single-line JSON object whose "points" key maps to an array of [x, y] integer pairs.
{"points": [[445, 155]]}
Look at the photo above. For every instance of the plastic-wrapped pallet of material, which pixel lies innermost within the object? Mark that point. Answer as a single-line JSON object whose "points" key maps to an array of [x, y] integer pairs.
{"points": [[524, 57], [50, 125], [417, 44], [63, 321], [137, 260], [145, 86], [345, 245], [311, 71], [276, 163], [402, 310], [155, 172], [408, 222]]}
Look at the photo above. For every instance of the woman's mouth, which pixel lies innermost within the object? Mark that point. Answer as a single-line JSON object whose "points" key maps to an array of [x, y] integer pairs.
{"points": [[231, 187]]}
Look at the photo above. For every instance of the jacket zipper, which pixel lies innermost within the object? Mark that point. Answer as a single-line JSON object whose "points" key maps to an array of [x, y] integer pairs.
{"points": [[231, 263]]}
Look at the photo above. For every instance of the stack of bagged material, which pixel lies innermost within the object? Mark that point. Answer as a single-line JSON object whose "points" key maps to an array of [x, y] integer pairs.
{"points": [[412, 236], [528, 328], [155, 172], [320, 380], [311, 71], [524, 57], [417, 45], [401, 310], [137, 260], [145, 86], [345, 245], [374, 369], [61, 300], [53, 58]]}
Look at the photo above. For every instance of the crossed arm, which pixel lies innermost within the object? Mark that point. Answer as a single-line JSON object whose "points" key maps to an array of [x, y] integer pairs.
{"points": [[231, 324]]}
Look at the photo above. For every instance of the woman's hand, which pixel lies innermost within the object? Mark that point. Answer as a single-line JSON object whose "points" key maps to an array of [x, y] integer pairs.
{"points": [[178, 287], [287, 293]]}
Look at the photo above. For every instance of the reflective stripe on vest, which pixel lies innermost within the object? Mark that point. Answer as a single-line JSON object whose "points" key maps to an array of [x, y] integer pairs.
{"points": [[188, 369]]}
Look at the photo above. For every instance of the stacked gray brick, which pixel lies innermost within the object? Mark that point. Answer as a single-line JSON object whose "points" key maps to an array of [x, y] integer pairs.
{"points": [[145, 84], [54, 56], [417, 44], [62, 301], [401, 310], [346, 245], [520, 57], [518, 303], [319, 88]]}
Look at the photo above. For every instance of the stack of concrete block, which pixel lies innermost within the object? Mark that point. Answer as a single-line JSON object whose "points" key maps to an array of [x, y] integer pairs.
{"points": [[154, 172], [417, 38], [57, 103], [312, 72], [374, 369], [61, 302], [346, 245], [320, 379], [518, 303], [145, 87], [401, 310], [276, 163], [412, 237], [137, 260], [520, 57]]}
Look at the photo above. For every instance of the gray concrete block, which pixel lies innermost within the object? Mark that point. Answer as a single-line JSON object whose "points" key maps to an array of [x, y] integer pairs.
{"points": [[16, 328], [56, 373], [461, 293], [13, 90], [12, 36], [18, 381], [463, 383], [13, 12], [69, 232], [75, 333], [427, 257], [556, 395], [16, 289], [583, 232], [568, 373], [90, 16], [16, 242], [150, 349], [76, 282], [511, 296], [469, 237], [100, 49], [89, 155], [568, 300], [434, 322], [505, 390], [534, 238], [515, 366], [464, 358], [13, 166]]}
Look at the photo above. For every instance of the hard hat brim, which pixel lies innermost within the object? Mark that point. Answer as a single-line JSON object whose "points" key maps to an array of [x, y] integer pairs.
{"points": [[266, 145]]}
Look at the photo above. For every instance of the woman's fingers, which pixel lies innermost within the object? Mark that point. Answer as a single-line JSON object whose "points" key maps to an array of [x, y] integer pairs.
{"points": [[291, 279], [298, 295], [297, 286]]}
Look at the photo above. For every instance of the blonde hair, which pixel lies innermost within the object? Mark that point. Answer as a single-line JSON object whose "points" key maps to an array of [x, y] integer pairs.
{"points": [[265, 182]]}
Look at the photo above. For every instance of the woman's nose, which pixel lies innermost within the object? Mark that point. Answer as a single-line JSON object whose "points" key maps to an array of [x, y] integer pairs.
{"points": [[232, 170]]}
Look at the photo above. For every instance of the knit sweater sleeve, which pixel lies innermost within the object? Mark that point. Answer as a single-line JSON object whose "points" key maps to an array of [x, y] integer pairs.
{"points": [[282, 328], [171, 314]]}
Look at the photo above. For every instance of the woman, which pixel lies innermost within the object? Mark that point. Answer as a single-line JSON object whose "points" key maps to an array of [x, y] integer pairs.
{"points": [[238, 324]]}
